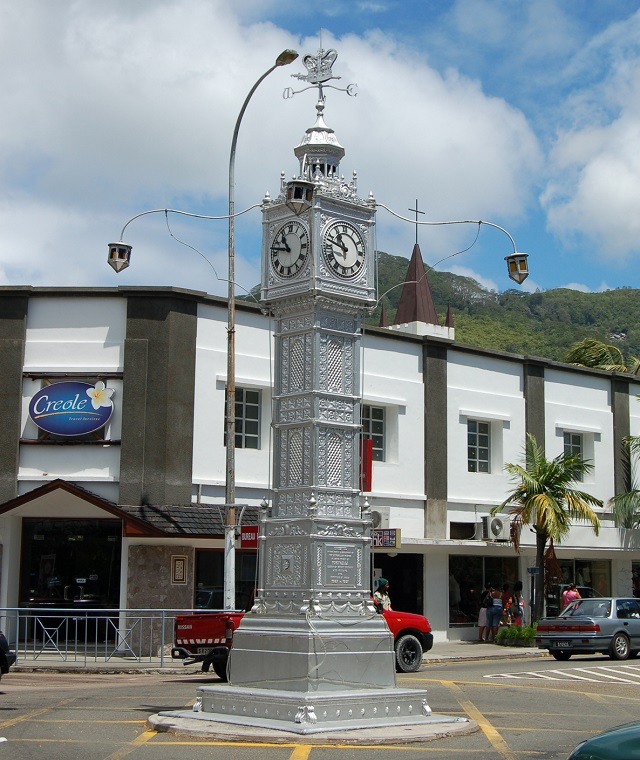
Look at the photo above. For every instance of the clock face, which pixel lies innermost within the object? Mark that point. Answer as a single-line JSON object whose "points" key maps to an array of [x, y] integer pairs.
{"points": [[344, 249], [289, 249]]}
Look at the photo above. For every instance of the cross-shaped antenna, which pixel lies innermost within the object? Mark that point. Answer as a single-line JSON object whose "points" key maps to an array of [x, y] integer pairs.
{"points": [[416, 211]]}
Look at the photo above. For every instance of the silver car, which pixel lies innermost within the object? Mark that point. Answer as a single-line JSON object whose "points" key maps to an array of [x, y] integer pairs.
{"points": [[606, 625]]}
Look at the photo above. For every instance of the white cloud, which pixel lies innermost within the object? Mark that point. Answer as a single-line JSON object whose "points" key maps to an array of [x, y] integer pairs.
{"points": [[486, 283], [110, 109], [577, 286], [594, 186]]}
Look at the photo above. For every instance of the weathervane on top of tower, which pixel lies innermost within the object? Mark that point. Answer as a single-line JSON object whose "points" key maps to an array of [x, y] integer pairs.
{"points": [[319, 152], [319, 71]]}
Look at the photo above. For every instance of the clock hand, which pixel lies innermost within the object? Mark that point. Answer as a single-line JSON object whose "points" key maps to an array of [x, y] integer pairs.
{"points": [[340, 243], [284, 241]]}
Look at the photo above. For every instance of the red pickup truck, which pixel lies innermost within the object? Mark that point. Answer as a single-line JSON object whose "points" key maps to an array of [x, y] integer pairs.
{"points": [[207, 637]]}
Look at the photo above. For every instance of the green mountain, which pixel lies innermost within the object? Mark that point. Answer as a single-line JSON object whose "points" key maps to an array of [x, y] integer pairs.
{"points": [[542, 324]]}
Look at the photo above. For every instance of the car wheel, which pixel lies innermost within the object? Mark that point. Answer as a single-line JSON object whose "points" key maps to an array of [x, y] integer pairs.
{"points": [[619, 649], [220, 669], [408, 653], [560, 654]]}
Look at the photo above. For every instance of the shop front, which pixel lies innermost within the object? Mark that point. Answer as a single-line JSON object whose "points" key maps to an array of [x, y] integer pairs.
{"points": [[405, 575], [71, 563], [468, 576]]}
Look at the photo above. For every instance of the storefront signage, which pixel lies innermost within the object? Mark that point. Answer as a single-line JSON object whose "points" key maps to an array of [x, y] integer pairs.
{"points": [[72, 408], [388, 537], [249, 537]]}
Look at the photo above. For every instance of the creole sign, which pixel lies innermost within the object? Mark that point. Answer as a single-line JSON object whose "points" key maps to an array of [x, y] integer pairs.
{"points": [[72, 408]]}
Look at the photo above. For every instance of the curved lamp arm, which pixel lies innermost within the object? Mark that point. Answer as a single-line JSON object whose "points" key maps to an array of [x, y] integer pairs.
{"points": [[516, 262], [182, 213]]}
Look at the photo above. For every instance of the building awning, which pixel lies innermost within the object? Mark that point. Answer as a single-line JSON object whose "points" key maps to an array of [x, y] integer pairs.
{"points": [[149, 520]]}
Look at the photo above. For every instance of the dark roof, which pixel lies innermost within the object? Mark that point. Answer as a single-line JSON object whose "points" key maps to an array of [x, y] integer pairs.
{"points": [[196, 520], [416, 301]]}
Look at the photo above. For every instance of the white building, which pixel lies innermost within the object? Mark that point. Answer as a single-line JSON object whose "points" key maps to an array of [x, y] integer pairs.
{"points": [[127, 516]]}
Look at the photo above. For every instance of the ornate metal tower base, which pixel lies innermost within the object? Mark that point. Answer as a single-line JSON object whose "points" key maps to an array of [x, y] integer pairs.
{"points": [[313, 655], [311, 713]]}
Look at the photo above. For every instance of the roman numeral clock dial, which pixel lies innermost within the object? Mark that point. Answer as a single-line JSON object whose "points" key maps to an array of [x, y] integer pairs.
{"points": [[344, 249], [289, 249]]}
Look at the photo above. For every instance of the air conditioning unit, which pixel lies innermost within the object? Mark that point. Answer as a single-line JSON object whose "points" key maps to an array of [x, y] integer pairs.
{"points": [[380, 517], [496, 528]]}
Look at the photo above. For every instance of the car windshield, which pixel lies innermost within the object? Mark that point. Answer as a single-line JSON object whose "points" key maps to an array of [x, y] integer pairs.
{"points": [[595, 608]]}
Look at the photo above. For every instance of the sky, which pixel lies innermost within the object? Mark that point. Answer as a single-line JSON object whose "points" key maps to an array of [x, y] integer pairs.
{"points": [[522, 114]]}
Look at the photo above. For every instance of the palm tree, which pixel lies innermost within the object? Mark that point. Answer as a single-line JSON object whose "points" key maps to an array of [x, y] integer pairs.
{"points": [[592, 352], [626, 506], [545, 499]]}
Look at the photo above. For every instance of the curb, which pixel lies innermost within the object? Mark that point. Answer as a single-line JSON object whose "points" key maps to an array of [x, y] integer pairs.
{"points": [[440, 727], [510, 655], [499, 653]]}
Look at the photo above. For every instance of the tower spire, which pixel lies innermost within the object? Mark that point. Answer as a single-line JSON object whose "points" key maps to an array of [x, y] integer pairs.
{"points": [[416, 301]]}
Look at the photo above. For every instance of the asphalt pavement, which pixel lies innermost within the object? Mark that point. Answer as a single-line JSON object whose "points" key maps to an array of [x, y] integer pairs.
{"points": [[185, 723]]}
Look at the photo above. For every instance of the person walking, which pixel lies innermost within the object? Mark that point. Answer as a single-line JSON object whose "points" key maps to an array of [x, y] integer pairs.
{"points": [[381, 598], [494, 614]]}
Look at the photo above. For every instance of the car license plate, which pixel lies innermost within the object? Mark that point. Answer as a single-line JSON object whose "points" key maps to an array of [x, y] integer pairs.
{"points": [[562, 644], [203, 650]]}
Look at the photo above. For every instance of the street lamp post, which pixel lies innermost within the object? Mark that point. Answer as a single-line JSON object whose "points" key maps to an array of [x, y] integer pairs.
{"points": [[285, 58], [119, 257]]}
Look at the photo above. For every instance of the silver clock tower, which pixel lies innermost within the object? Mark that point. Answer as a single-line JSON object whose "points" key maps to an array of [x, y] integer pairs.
{"points": [[313, 654]]}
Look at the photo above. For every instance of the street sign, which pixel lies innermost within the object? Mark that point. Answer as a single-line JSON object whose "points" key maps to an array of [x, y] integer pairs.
{"points": [[533, 570], [249, 537], [388, 538]]}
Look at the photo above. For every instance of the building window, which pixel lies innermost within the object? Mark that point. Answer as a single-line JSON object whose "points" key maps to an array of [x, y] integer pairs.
{"points": [[478, 446], [373, 427], [573, 446], [209, 579], [247, 419]]}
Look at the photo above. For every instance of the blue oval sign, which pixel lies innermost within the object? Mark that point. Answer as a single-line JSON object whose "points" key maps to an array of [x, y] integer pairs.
{"points": [[72, 408]]}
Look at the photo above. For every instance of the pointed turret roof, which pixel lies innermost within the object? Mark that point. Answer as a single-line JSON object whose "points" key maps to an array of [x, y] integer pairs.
{"points": [[384, 322], [448, 322], [416, 301]]}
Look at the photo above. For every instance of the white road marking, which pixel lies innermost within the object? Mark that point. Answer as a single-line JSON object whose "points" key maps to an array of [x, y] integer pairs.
{"points": [[597, 674], [601, 672]]}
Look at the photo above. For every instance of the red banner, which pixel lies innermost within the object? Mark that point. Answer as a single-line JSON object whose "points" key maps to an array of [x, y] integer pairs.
{"points": [[366, 459]]}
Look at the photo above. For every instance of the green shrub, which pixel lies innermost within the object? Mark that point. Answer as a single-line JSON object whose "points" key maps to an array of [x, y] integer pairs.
{"points": [[517, 633]]}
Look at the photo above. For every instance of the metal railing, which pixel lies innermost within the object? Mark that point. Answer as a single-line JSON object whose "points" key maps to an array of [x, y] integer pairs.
{"points": [[81, 637]]}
